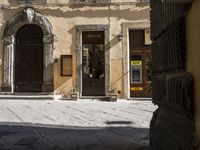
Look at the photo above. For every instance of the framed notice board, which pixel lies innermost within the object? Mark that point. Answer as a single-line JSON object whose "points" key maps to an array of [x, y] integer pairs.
{"points": [[66, 65]]}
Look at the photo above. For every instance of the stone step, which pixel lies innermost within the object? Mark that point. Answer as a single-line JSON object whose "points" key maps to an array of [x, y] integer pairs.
{"points": [[28, 96]]}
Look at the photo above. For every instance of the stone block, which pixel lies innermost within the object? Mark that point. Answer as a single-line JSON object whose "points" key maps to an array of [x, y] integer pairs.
{"points": [[165, 13], [179, 91], [169, 50], [158, 89], [171, 131]]}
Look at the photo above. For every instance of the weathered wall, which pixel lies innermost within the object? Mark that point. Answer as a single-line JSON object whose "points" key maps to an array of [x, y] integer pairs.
{"points": [[193, 55], [64, 19], [172, 125]]}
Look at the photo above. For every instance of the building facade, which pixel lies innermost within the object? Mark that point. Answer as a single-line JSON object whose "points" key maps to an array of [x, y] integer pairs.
{"points": [[95, 46]]}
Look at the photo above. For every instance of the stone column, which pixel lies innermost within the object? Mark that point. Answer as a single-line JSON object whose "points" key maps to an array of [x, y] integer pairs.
{"points": [[107, 59], [48, 64], [1, 16], [8, 65], [79, 58]]}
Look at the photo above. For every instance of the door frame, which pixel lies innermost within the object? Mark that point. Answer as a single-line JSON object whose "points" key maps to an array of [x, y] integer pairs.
{"points": [[27, 16], [126, 26], [79, 29]]}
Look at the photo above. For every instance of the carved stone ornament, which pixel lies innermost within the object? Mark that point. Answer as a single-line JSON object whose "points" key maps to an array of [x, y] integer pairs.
{"points": [[9, 40], [29, 14], [48, 38]]}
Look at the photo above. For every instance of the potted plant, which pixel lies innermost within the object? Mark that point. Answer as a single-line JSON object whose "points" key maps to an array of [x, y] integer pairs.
{"points": [[113, 95], [74, 93]]}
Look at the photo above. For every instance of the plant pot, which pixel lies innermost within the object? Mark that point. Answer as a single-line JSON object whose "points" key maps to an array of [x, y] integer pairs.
{"points": [[74, 95], [113, 97]]}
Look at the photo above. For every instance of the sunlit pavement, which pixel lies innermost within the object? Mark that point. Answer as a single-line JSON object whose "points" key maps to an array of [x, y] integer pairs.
{"points": [[74, 125]]}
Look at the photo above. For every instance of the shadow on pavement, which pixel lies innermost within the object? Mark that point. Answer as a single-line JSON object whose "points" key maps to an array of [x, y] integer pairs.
{"points": [[26, 136]]}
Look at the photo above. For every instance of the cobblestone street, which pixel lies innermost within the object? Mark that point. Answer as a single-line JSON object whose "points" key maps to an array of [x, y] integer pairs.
{"points": [[74, 125]]}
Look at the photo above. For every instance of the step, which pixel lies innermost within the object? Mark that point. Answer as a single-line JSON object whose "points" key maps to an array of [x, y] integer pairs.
{"points": [[28, 96]]}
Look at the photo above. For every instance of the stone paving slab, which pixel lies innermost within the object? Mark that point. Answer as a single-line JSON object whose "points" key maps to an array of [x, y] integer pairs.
{"points": [[74, 125]]}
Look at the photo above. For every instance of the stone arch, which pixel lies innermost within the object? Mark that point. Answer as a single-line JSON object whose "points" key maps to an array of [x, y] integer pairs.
{"points": [[27, 16]]}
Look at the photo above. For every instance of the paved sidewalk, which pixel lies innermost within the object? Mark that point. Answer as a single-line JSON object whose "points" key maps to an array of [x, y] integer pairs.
{"points": [[74, 125]]}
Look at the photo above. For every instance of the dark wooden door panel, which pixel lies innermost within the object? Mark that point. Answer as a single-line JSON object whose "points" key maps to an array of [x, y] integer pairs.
{"points": [[88, 87], [26, 87], [29, 60]]}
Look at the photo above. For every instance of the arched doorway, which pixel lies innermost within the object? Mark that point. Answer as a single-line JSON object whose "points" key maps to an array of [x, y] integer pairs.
{"points": [[32, 23], [29, 59]]}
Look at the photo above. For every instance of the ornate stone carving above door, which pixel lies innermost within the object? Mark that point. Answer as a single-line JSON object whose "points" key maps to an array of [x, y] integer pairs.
{"points": [[29, 15]]}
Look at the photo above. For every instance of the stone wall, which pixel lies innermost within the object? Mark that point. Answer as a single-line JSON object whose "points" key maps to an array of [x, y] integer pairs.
{"points": [[172, 125]]}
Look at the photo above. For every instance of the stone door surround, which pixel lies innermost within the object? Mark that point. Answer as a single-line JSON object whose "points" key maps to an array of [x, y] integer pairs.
{"points": [[26, 16], [98, 27]]}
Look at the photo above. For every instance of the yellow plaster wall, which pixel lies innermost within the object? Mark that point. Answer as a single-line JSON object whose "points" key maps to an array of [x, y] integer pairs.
{"points": [[193, 55], [117, 77], [64, 19]]}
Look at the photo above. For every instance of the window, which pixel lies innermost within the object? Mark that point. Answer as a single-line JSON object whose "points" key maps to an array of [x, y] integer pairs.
{"points": [[66, 65]]}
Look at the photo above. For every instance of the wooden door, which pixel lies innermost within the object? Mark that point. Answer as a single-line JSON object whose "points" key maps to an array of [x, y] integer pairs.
{"points": [[93, 67], [29, 59]]}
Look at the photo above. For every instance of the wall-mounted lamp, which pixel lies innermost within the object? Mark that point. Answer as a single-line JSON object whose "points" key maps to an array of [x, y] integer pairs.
{"points": [[120, 36]]}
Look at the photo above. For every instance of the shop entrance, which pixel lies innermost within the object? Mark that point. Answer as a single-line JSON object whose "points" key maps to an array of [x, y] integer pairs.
{"points": [[29, 59], [140, 64], [93, 63]]}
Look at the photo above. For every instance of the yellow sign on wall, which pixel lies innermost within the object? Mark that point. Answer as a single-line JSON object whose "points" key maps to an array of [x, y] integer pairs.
{"points": [[136, 88], [136, 62]]}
